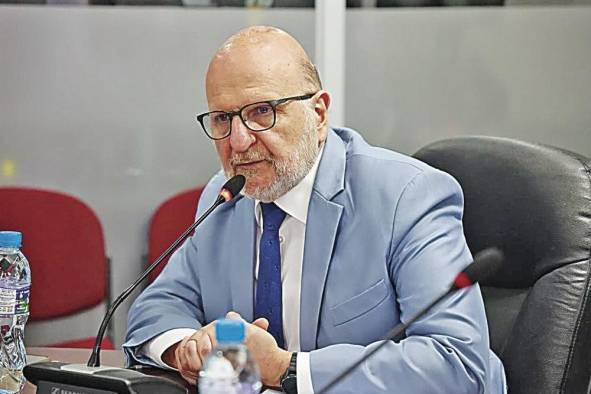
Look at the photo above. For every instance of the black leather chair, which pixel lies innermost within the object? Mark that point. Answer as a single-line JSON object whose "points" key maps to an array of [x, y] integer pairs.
{"points": [[534, 202]]}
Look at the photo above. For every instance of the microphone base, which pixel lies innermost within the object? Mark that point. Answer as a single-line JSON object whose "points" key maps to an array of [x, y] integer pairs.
{"points": [[56, 377]]}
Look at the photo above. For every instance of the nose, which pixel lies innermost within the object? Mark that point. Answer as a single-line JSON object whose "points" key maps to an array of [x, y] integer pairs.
{"points": [[241, 137]]}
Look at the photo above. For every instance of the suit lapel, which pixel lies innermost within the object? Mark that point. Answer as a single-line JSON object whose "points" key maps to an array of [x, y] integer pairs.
{"points": [[242, 256], [322, 223]]}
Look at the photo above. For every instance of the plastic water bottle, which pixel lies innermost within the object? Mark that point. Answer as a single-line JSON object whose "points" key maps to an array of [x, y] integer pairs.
{"points": [[15, 283], [229, 369]]}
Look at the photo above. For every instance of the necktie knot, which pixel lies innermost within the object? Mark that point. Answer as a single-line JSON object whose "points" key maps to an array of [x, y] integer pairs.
{"points": [[272, 216]]}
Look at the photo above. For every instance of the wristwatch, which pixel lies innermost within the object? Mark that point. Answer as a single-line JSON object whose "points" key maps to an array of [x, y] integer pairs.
{"points": [[289, 380]]}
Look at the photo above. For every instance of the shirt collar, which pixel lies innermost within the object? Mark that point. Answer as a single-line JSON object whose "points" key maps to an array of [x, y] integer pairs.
{"points": [[296, 201]]}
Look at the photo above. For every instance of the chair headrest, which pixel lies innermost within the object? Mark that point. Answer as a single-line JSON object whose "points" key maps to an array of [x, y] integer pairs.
{"points": [[532, 201]]}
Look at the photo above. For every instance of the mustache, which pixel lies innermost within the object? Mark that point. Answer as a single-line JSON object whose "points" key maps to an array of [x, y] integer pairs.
{"points": [[248, 157]]}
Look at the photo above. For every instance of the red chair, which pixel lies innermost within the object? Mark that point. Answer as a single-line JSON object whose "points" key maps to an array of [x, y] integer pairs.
{"points": [[169, 220], [63, 241]]}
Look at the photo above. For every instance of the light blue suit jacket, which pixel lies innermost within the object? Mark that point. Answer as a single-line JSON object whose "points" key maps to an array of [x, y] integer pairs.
{"points": [[383, 238]]}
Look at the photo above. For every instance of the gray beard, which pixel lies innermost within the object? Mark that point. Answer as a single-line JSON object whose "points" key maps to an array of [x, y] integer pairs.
{"points": [[292, 170]]}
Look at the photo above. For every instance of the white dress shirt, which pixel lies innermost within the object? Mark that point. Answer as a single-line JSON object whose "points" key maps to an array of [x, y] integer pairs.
{"points": [[291, 238]]}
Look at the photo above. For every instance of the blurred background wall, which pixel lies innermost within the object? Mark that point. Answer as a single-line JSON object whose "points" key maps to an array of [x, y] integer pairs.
{"points": [[99, 102]]}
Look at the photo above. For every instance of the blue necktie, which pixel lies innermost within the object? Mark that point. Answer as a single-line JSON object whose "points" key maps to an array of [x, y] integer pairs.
{"points": [[268, 295]]}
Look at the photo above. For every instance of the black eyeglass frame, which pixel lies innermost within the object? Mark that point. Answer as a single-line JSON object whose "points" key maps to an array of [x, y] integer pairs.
{"points": [[231, 114]]}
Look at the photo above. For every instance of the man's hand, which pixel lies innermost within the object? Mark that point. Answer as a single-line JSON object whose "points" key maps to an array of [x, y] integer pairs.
{"points": [[189, 354], [271, 359]]}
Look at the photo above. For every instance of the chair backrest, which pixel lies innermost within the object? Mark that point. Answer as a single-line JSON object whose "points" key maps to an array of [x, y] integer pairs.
{"points": [[63, 241], [534, 202], [170, 219]]}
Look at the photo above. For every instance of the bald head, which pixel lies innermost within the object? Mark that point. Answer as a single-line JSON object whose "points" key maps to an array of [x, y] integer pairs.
{"points": [[263, 52]]}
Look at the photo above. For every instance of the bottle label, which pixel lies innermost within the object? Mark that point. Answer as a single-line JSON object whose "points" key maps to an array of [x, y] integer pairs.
{"points": [[14, 301], [22, 301]]}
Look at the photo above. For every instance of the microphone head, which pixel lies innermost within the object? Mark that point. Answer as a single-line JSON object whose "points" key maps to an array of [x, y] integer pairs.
{"points": [[485, 264], [232, 187]]}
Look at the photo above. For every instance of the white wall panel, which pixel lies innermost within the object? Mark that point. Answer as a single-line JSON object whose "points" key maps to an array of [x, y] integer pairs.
{"points": [[418, 75]]}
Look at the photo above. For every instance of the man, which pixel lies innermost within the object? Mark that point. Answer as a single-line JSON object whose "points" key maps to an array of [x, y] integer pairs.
{"points": [[333, 243]]}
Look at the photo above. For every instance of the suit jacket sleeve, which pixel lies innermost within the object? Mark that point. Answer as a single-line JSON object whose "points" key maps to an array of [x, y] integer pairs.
{"points": [[447, 350]]}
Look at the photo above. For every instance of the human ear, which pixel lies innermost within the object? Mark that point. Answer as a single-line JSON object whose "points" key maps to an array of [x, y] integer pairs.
{"points": [[321, 104]]}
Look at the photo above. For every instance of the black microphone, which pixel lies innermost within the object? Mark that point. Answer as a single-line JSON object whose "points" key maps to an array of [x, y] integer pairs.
{"points": [[92, 378], [485, 264]]}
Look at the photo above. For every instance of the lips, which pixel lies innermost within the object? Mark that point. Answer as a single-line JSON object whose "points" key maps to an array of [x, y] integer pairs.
{"points": [[249, 164]]}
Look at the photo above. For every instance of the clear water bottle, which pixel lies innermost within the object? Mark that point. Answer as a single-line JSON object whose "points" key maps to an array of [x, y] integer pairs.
{"points": [[15, 283], [229, 369]]}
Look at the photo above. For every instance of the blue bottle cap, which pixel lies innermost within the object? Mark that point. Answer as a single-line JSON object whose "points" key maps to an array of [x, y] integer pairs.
{"points": [[10, 239], [229, 331]]}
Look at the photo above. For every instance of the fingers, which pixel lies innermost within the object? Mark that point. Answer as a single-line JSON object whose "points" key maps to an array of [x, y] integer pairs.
{"points": [[204, 346], [188, 360], [192, 354], [261, 322], [233, 315], [177, 353]]}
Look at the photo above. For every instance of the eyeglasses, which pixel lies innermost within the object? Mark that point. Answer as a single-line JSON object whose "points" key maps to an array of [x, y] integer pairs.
{"points": [[259, 116]]}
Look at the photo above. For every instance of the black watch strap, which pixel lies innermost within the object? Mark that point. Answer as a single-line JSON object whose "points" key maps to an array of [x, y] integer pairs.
{"points": [[289, 380]]}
